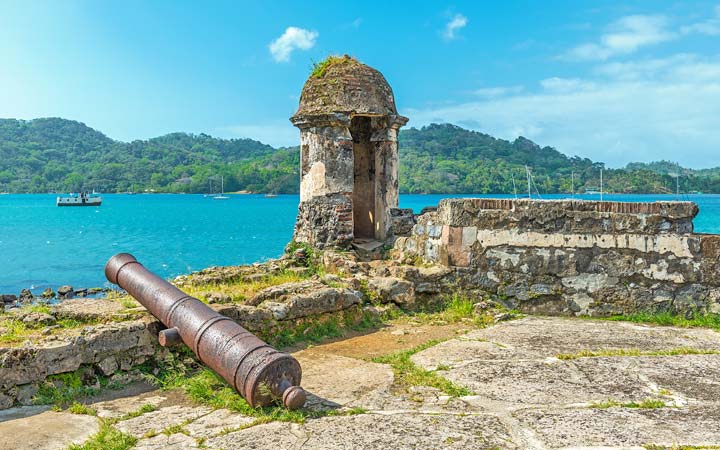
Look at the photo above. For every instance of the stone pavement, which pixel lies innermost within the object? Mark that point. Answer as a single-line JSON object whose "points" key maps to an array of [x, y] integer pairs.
{"points": [[523, 395]]}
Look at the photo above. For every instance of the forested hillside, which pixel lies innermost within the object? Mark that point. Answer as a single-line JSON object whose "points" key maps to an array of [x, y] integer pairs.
{"points": [[58, 155], [61, 155]]}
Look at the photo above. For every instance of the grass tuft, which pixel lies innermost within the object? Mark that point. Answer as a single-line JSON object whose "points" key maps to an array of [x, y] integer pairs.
{"points": [[108, 438], [319, 69], [457, 308], [79, 408], [670, 319], [648, 403], [241, 290], [146, 408], [408, 374], [612, 352], [63, 389]]}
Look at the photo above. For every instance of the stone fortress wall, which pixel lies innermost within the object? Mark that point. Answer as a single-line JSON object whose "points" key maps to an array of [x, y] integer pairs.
{"points": [[570, 257]]}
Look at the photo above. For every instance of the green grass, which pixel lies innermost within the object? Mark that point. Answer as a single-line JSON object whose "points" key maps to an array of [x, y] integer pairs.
{"points": [[408, 374], [635, 352], [669, 319], [14, 331], [315, 330], [648, 403], [146, 408], [79, 408], [128, 302], [456, 308], [240, 291], [63, 389], [108, 438], [38, 308], [681, 447], [207, 388], [319, 69], [174, 429]]}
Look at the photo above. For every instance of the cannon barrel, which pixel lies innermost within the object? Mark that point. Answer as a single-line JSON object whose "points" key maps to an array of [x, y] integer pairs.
{"points": [[257, 371]]}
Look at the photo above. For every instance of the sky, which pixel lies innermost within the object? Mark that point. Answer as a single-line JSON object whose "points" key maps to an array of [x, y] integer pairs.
{"points": [[613, 81]]}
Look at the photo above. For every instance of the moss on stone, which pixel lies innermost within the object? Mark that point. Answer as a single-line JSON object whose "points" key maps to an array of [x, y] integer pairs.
{"points": [[648, 403], [623, 352], [342, 84], [319, 69]]}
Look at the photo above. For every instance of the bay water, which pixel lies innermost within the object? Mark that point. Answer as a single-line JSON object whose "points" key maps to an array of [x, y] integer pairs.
{"points": [[42, 245]]}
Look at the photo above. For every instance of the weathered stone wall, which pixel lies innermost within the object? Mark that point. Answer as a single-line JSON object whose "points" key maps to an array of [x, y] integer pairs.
{"points": [[326, 184], [385, 143], [349, 183], [573, 257], [108, 348]]}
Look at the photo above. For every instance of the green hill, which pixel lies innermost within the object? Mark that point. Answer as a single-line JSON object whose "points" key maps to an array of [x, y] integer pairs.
{"points": [[59, 155]]}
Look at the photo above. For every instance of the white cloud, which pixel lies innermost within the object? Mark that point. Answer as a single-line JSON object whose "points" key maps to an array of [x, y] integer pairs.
{"points": [[557, 84], [646, 68], [292, 39], [669, 110], [497, 91], [625, 36], [711, 27], [457, 23]]}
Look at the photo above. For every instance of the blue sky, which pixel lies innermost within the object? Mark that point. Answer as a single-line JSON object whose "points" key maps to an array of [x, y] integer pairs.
{"points": [[613, 81]]}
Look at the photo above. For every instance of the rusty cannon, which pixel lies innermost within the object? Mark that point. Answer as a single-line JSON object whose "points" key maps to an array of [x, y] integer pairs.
{"points": [[261, 374]]}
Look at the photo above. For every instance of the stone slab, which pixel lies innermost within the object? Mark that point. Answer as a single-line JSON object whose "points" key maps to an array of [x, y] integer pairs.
{"points": [[34, 428], [549, 336], [271, 436], [339, 380], [216, 423], [160, 419], [624, 428], [176, 441], [114, 409], [375, 432]]}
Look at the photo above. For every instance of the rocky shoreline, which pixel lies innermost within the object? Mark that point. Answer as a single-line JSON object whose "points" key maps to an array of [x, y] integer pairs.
{"points": [[49, 296]]}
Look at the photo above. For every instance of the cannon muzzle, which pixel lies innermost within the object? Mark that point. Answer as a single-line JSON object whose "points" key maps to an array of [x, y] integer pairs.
{"points": [[257, 371]]}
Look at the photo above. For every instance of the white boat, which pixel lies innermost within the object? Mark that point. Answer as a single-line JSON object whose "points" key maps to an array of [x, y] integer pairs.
{"points": [[81, 199], [221, 195]]}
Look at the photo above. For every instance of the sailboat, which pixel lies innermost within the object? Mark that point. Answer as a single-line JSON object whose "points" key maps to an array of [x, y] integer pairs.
{"points": [[221, 195]]}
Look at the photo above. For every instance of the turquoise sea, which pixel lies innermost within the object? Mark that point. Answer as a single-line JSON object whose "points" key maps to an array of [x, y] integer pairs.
{"points": [[42, 245]]}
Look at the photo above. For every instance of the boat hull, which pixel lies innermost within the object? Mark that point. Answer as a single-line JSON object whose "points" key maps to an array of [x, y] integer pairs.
{"points": [[78, 202]]}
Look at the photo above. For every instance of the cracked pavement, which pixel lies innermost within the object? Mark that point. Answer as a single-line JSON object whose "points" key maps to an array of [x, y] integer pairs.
{"points": [[523, 395]]}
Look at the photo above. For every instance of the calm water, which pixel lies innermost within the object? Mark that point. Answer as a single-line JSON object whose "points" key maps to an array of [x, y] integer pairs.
{"points": [[42, 245]]}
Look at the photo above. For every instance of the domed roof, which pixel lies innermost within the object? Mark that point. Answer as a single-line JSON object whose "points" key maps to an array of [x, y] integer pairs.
{"points": [[342, 84]]}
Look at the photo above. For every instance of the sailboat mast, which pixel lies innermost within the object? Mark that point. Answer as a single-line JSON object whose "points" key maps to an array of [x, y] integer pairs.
{"points": [[601, 184], [527, 172], [572, 184], [513, 181]]}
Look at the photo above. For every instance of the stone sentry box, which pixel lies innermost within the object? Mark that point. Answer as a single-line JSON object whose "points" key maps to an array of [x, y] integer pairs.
{"points": [[348, 155]]}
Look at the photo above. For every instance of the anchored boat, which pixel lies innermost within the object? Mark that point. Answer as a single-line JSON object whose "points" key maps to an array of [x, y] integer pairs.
{"points": [[81, 199]]}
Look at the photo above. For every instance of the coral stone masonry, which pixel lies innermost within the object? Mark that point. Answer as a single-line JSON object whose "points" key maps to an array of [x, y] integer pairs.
{"points": [[348, 155], [573, 257]]}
